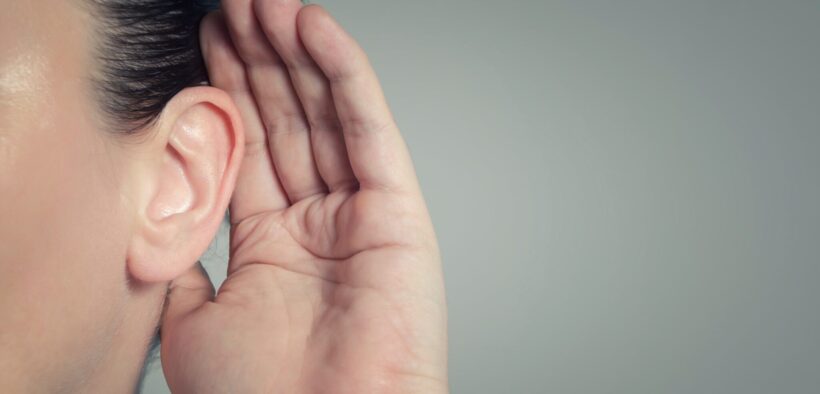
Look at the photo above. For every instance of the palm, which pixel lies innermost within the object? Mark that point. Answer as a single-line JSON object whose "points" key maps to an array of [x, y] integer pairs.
{"points": [[334, 281]]}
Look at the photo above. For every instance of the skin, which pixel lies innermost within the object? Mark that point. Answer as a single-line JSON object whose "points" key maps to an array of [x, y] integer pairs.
{"points": [[334, 279], [93, 225]]}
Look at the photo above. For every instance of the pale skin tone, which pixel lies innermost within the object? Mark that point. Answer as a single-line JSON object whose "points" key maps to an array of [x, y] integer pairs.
{"points": [[334, 278], [94, 225]]}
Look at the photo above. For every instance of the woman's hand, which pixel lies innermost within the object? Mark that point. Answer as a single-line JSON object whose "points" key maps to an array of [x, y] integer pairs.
{"points": [[334, 282]]}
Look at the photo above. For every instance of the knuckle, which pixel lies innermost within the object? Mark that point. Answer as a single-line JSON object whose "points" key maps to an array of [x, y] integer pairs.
{"points": [[287, 123], [356, 125], [324, 121]]}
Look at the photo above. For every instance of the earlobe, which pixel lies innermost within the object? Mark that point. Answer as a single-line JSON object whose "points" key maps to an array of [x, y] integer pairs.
{"points": [[189, 172]]}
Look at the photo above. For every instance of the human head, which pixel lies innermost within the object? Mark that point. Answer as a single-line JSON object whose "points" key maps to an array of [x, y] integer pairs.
{"points": [[116, 167]]}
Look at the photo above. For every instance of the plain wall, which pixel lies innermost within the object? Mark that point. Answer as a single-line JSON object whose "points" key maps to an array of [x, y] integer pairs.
{"points": [[626, 192]]}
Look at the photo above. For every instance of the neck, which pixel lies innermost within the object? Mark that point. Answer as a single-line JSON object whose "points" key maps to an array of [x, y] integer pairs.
{"points": [[120, 369]]}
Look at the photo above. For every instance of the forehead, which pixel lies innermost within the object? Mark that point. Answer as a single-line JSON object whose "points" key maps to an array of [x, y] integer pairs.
{"points": [[38, 37], [43, 48]]}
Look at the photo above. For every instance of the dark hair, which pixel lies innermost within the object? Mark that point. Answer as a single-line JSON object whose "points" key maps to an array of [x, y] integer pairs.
{"points": [[147, 51]]}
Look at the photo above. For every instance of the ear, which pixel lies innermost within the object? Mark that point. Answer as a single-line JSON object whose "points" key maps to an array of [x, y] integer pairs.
{"points": [[184, 181]]}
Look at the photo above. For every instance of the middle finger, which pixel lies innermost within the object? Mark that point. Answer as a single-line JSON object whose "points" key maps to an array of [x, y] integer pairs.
{"points": [[279, 107], [277, 19]]}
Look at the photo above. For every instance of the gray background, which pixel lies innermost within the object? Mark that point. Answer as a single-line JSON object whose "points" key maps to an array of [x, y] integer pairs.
{"points": [[626, 192]]}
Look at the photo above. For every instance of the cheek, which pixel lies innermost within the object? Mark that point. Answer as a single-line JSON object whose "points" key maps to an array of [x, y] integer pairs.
{"points": [[63, 236]]}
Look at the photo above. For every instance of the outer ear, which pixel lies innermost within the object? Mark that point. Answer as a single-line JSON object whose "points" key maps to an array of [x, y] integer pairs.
{"points": [[186, 176]]}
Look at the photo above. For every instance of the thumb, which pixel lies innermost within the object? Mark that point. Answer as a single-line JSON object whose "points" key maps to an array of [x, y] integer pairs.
{"points": [[186, 293]]}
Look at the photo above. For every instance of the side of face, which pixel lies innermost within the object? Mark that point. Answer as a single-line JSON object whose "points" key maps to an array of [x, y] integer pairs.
{"points": [[62, 210], [93, 225]]}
